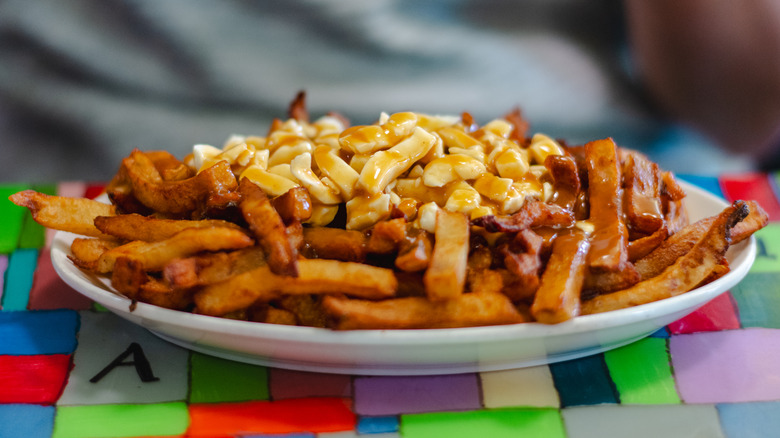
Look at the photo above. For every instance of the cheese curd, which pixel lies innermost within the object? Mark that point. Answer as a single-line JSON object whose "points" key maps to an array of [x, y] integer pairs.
{"points": [[413, 162]]}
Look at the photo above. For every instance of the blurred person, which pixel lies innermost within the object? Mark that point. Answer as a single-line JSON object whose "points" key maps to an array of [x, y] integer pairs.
{"points": [[83, 82], [716, 65]]}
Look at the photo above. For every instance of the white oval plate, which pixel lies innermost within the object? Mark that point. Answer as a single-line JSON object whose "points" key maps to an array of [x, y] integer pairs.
{"points": [[411, 352]]}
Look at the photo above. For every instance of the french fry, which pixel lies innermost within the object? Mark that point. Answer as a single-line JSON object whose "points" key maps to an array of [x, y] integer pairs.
{"points": [[678, 244], [642, 193], [314, 277], [293, 205], [609, 247], [208, 188], [522, 259], [414, 254], [150, 229], [210, 268], [158, 293], [170, 167], [335, 243], [466, 310], [155, 255], [533, 213], [566, 180], [387, 236], [685, 274], [643, 246], [268, 228], [558, 297], [74, 215], [446, 274], [85, 252]]}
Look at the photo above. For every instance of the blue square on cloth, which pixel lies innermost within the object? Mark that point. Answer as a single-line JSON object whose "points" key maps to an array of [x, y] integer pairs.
{"points": [[38, 420], [39, 332], [367, 425], [749, 420]]}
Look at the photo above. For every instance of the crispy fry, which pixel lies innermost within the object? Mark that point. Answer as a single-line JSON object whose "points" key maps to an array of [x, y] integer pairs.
{"points": [[386, 237], [642, 187], [268, 228], [75, 215], [609, 243], [558, 296], [533, 213], [205, 269], [466, 310], [149, 229], [446, 274], [155, 255], [128, 275], [158, 293], [315, 277], [335, 243], [415, 252], [297, 109], [86, 252], [681, 242], [208, 188], [307, 309], [293, 205], [685, 274], [566, 180], [170, 167], [522, 259], [643, 246]]}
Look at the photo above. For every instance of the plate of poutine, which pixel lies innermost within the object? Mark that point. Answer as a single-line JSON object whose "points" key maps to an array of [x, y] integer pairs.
{"points": [[418, 244], [410, 352]]}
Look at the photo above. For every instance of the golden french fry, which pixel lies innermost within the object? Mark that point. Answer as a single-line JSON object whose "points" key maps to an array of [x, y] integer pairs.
{"points": [[75, 215], [609, 248], [566, 180], [293, 205], [643, 246], [685, 274], [210, 268], [158, 293], [446, 274], [466, 310], [87, 251], [150, 229], [211, 187], [642, 179], [415, 253], [558, 296], [533, 213], [155, 255], [335, 243], [268, 228], [314, 277], [170, 167], [678, 244]]}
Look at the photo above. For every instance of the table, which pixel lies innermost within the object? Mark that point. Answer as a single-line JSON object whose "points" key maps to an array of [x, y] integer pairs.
{"points": [[71, 369]]}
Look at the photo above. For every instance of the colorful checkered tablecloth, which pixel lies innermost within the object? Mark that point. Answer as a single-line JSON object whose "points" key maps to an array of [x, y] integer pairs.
{"points": [[71, 369]]}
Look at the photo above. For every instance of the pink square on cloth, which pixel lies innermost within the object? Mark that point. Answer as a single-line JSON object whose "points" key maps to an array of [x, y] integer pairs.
{"points": [[727, 367]]}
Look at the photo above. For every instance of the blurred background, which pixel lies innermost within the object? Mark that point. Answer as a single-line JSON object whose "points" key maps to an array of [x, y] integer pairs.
{"points": [[83, 82]]}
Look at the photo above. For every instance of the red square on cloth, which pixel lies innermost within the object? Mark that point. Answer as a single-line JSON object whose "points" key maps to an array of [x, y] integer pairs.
{"points": [[718, 314], [33, 379]]}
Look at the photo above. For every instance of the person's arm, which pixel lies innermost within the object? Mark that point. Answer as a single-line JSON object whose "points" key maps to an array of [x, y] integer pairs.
{"points": [[714, 64]]}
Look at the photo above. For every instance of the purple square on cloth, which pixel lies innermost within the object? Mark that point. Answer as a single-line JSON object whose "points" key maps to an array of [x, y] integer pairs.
{"points": [[728, 366], [404, 395]]}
